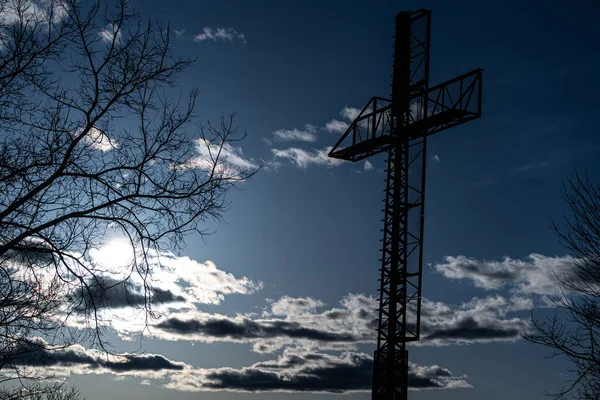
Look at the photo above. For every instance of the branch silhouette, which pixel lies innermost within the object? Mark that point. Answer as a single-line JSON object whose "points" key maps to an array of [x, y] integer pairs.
{"points": [[92, 143]]}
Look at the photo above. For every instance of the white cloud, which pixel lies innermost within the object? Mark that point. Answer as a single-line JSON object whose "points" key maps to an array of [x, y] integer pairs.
{"points": [[228, 161], [111, 33], [295, 305], [536, 274], [303, 158], [285, 322], [436, 158], [351, 113], [98, 140], [176, 283], [336, 126], [480, 320], [368, 166], [225, 34], [32, 12], [307, 322], [306, 135]]}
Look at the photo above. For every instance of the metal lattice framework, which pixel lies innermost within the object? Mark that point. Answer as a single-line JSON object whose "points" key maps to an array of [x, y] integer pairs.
{"points": [[400, 126]]}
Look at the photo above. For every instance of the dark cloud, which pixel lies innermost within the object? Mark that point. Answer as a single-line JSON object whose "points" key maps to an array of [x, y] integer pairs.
{"points": [[144, 362], [476, 321], [335, 314], [249, 329], [434, 377], [471, 329], [106, 292], [296, 370], [321, 373], [36, 353], [30, 252]]}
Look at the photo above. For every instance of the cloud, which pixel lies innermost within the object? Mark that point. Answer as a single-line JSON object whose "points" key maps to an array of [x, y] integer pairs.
{"points": [[303, 158], [436, 158], [97, 140], [33, 12], [536, 274], [336, 126], [180, 276], [284, 322], [111, 33], [434, 377], [298, 370], [174, 284], [531, 166], [37, 353], [480, 320], [286, 135], [179, 33], [247, 329], [223, 34], [107, 292], [227, 161], [287, 305], [368, 166], [472, 329], [351, 113], [307, 322]]}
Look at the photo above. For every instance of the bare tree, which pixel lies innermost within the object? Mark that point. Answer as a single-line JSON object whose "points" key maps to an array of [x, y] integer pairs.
{"points": [[92, 141], [574, 330], [40, 392]]}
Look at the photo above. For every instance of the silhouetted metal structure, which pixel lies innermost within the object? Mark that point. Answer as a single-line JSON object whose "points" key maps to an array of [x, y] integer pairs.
{"points": [[400, 126]]}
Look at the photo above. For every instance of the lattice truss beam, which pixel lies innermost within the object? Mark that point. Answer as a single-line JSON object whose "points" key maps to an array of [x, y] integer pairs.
{"points": [[448, 104]]}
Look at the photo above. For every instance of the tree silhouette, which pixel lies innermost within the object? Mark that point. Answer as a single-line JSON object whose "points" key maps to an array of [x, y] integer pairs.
{"points": [[92, 142], [574, 329]]}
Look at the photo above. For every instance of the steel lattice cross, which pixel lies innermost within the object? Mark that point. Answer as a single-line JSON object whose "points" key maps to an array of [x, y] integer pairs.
{"points": [[400, 126]]}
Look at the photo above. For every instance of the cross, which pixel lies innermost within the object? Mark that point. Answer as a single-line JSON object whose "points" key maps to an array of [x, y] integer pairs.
{"points": [[400, 126]]}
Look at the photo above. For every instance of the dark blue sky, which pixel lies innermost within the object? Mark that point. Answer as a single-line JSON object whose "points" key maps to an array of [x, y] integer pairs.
{"points": [[314, 231]]}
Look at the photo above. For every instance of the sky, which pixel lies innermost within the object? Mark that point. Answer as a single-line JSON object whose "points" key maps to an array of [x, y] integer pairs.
{"points": [[279, 302]]}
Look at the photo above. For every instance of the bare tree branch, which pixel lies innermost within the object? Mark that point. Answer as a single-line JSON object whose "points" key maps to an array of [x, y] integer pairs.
{"points": [[575, 333], [92, 143]]}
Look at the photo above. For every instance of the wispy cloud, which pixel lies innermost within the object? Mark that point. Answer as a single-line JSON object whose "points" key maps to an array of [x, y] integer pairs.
{"points": [[308, 134], [227, 161], [304, 158], [436, 158], [531, 166], [111, 33], [179, 33], [223, 34], [350, 113], [336, 126], [368, 166]]}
